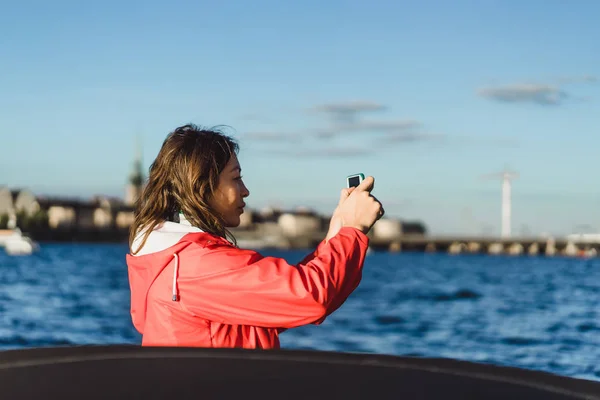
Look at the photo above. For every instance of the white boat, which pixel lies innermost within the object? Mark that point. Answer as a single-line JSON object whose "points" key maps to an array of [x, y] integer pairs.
{"points": [[15, 244]]}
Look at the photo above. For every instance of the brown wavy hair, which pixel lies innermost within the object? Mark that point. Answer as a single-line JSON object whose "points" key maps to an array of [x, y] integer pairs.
{"points": [[183, 178]]}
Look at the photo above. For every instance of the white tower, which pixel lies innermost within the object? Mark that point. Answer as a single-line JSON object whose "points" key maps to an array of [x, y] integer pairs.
{"points": [[507, 177]]}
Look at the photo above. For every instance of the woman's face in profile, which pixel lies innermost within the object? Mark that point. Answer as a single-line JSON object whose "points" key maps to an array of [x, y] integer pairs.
{"points": [[228, 199]]}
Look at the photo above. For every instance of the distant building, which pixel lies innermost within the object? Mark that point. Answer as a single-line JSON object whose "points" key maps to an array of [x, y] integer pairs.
{"points": [[25, 201], [124, 218], [267, 214], [99, 213], [13, 202], [247, 219], [6, 201], [68, 213], [103, 213], [387, 229], [111, 213], [293, 225], [413, 228]]}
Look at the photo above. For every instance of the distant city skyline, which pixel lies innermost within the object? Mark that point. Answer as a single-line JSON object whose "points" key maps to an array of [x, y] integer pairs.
{"points": [[426, 97]]}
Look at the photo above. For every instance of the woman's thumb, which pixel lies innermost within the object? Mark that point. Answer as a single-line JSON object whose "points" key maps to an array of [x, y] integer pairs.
{"points": [[344, 194]]}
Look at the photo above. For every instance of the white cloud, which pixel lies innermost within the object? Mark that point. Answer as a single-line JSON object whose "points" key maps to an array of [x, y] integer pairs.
{"points": [[327, 152], [347, 111], [265, 136], [381, 134], [578, 79], [353, 127], [349, 107], [408, 137], [525, 93], [537, 93]]}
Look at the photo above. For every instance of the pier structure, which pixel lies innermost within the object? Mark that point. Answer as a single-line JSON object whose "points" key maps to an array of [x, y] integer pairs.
{"points": [[405, 242], [533, 246], [302, 231]]}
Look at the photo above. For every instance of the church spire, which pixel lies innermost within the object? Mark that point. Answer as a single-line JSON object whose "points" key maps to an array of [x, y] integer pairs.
{"points": [[136, 178]]}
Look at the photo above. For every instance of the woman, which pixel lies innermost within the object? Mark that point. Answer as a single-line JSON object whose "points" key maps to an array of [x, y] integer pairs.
{"points": [[191, 286]]}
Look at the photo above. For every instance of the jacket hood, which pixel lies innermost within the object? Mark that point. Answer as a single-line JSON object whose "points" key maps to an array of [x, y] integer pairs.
{"points": [[161, 248]]}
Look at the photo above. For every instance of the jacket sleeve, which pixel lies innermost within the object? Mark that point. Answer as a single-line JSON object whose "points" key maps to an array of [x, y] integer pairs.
{"points": [[349, 285], [241, 287]]}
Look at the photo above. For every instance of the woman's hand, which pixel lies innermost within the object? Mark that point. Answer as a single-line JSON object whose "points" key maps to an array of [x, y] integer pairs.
{"points": [[357, 208]]}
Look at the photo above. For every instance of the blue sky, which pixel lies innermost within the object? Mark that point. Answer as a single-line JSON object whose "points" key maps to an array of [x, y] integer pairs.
{"points": [[426, 97]]}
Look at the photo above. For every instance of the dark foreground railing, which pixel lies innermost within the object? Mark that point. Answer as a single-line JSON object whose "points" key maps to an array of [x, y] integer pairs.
{"points": [[130, 372]]}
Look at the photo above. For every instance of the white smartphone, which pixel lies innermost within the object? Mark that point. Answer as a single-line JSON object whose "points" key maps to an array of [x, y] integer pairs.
{"points": [[354, 180]]}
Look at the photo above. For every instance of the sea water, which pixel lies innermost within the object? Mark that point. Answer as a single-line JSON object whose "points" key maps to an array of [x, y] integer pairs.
{"points": [[531, 312]]}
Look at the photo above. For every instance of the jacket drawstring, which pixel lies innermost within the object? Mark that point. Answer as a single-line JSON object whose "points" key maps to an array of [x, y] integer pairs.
{"points": [[175, 270]]}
